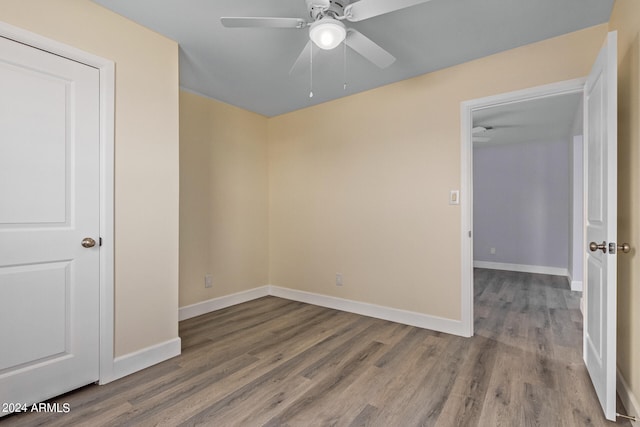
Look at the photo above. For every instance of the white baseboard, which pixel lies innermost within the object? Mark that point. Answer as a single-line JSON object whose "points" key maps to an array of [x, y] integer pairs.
{"points": [[420, 320], [629, 400], [141, 359], [523, 268], [412, 318], [213, 304], [576, 285]]}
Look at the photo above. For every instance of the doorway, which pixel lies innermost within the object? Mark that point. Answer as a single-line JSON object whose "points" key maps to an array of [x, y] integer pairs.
{"points": [[600, 182], [527, 186], [600, 206], [493, 135]]}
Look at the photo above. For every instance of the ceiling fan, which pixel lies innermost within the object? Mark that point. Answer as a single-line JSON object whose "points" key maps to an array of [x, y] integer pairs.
{"points": [[326, 27], [479, 133]]}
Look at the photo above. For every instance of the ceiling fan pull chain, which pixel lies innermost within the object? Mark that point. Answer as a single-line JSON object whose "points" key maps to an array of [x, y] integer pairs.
{"points": [[344, 63], [310, 70]]}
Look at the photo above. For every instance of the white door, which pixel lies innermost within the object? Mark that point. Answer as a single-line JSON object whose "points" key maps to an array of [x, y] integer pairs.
{"points": [[49, 203], [600, 136]]}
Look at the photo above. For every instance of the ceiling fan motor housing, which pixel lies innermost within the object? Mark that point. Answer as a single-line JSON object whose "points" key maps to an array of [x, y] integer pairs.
{"points": [[318, 9]]}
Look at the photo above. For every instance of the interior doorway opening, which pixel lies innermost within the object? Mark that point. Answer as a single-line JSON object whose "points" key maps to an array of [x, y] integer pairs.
{"points": [[600, 182], [518, 126], [527, 187]]}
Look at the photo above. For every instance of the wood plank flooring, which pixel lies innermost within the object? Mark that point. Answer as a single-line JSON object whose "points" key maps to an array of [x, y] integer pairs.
{"points": [[274, 362]]}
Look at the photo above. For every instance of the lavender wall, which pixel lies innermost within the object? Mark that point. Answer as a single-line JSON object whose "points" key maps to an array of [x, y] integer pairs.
{"points": [[522, 204]]}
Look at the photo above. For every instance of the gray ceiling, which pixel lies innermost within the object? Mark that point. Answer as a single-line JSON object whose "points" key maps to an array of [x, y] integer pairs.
{"points": [[249, 67], [550, 118]]}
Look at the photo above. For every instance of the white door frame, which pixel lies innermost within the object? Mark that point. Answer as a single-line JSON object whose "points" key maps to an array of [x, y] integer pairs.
{"points": [[466, 187], [106, 70]]}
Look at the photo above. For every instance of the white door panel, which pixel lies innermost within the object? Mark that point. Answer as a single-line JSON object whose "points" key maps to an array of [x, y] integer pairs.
{"points": [[595, 309], [34, 292], [49, 202], [600, 132]]}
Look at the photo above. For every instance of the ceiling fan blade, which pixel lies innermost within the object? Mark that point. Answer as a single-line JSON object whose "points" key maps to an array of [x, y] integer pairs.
{"points": [[481, 139], [244, 22], [365, 9], [302, 62], [480, 129], [368, 49]]}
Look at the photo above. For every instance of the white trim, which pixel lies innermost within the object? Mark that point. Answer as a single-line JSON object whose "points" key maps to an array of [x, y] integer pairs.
{"points": [[106, 69], [440, 324], [107, 208], [141, 359], [214, 304], [449, 326], [466, 222], [523, 268], [629, 400], [576, 285], [466, 192]]}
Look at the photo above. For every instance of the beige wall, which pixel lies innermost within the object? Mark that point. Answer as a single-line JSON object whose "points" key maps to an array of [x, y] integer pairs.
{"points": [[223, 199], [626, 20], [360, 185], [357, 186], [146, 157]]}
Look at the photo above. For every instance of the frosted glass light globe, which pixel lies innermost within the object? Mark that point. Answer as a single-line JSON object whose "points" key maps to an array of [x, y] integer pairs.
{"points": [[327, 33]]}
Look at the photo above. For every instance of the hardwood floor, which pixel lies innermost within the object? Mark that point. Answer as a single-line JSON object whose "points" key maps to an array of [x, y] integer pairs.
{"points": [[274, 362]]}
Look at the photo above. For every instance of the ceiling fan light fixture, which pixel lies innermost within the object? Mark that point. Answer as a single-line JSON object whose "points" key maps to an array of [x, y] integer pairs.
{"points": [[327, 33]]}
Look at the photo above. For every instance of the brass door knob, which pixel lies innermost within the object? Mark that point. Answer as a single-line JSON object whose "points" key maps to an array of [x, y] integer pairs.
{"points": [[625, 247], [88, 242], [593, 246]]}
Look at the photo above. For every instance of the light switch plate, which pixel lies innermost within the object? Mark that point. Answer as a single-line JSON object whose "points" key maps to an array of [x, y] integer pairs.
{"points": [[454, 197]]}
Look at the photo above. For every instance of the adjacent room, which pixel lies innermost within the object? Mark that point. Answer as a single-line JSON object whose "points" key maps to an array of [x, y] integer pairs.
{"points": [[211, 217], [527, 187]]}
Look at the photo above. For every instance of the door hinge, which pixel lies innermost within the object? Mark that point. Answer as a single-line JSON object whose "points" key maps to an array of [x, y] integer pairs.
{"points": [[626, 417]]}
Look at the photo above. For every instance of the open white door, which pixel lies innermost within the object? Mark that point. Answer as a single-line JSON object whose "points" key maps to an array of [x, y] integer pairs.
{"points": [[600, 164]]}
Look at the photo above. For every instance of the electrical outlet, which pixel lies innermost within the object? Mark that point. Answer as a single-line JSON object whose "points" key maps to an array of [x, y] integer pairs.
{"points": [[208, 281], [338, 279], [492, 251]]}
